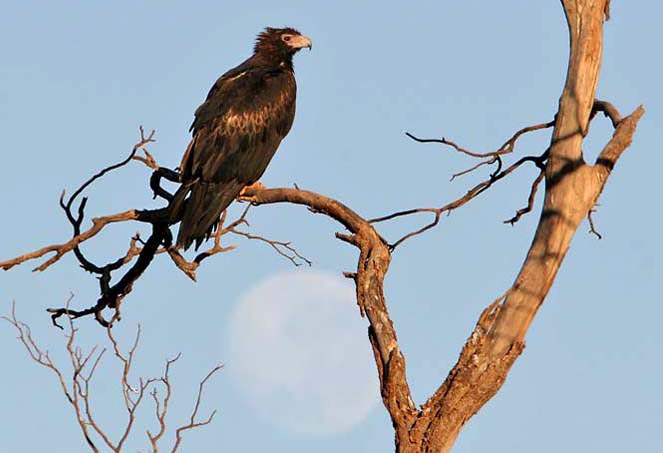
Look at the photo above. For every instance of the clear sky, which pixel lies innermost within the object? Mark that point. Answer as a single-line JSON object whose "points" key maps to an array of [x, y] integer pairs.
{"points": [[77, 79]]}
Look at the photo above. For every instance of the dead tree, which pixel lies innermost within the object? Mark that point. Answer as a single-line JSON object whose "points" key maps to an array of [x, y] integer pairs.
{"points": [[77, 388], [572, 188]]}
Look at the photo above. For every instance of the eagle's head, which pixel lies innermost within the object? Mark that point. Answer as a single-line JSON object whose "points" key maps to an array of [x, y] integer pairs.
{"points": [[281, 42]]}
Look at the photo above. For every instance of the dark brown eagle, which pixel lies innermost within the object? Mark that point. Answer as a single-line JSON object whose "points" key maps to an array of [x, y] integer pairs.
{"points": [[236, 132]]}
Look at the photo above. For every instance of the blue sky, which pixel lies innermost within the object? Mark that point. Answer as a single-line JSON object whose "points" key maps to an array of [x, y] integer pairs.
{"points": [[78, 78]]}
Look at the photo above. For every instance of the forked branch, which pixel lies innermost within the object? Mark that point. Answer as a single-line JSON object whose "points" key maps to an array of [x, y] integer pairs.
{"points": [[76, 386], [159, 241]]}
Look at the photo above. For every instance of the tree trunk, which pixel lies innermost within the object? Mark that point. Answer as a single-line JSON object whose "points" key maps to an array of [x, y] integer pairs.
{"points": [[572, 189]]}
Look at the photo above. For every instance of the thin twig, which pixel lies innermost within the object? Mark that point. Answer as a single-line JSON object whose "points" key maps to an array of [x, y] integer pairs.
{"points": [[449, 207], [192, 421], [282, 248], [507, 147], [530, 200], [140, 145], [162, 410], [592, 228]]}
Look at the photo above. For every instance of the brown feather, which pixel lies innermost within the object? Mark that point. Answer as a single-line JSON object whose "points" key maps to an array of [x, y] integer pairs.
{"points": [[236, 132]]}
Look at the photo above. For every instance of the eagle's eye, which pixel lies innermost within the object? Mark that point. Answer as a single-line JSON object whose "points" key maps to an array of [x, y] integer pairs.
{"points": [[286, 38]]}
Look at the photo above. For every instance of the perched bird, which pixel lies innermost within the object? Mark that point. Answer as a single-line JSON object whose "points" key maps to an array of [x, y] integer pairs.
{"points": [[236, 132]]}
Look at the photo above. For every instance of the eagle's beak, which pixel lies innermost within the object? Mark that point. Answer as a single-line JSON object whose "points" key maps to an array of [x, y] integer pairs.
{"points": [[301, 41]]}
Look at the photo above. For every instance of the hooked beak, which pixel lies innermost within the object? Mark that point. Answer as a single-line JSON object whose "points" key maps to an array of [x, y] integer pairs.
{"points": [[300, 41]]}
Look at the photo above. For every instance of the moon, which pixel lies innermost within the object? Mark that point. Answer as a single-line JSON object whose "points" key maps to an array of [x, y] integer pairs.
{"points": [[299, 353]]}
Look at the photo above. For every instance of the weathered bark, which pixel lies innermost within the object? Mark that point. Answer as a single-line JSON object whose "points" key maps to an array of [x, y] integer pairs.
{"points": [[572, 189], [372, 266]]}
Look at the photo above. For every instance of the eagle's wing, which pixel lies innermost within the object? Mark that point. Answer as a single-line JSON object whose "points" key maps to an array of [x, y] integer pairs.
{"points": [[222, 92], [238, 128], [236, 132]]}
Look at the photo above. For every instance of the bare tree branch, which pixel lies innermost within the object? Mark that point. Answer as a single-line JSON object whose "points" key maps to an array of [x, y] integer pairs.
{"points": [[373, 262], [42, 357], [530, 200], [159, 241], [474, 192], [192, 421], [285, 249], [77, 389], [60, 250], [161, 409], [507, 147]]}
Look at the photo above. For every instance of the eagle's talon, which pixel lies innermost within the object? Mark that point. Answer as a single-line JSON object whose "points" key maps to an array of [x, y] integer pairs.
{"points": [[255, 186]]}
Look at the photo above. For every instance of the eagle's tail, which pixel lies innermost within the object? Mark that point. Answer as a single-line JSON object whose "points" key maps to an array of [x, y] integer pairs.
{"points": [[202, 210]]}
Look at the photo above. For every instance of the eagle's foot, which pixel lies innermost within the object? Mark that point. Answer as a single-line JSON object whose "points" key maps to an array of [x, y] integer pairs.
{"points": [[255, 186]]}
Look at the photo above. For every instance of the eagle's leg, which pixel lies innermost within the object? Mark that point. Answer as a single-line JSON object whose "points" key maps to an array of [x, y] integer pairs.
{"points": [[255, 186]]}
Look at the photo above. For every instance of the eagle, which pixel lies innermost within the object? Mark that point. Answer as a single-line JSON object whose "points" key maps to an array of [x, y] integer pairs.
{"points": [[236, 132]]}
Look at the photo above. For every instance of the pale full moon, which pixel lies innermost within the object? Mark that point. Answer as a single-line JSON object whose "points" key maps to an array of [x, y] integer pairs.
{"points": [[299, 353]]}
